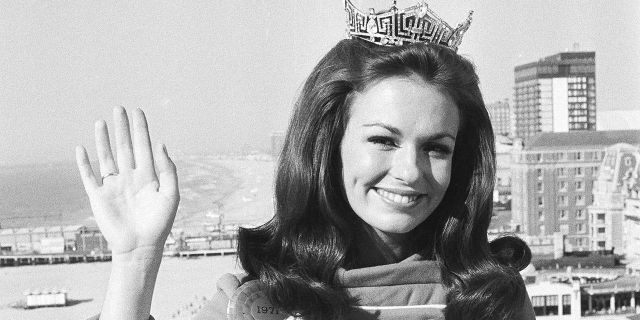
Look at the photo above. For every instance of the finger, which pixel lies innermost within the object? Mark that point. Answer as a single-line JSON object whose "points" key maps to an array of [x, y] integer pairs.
{"points": [[86, 173], [142, 144], [123, 140], [167, 174], [103, 147]]}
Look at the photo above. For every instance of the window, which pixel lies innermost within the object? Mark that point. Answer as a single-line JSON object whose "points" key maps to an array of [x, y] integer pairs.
{"points": [[539, 173], [595, 171], [580, 229], [601, 230], [562, 186], [540, 216], [545, 305], [580, 214], [580, 242], [579, 186], [540, 202], [579, 172], [539, 187], [562, 201], [580, 201], [578, 155], [563, 214], [566, 303], [560, 172], [601, 244]]}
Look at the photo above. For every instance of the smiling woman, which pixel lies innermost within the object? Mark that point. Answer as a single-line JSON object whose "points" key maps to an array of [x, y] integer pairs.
{"points": [[382, 201], [383, 196], [397, 151]]}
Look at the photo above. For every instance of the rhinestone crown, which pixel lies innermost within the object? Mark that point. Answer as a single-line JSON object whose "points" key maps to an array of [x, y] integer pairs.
{"points": [[396, 27]]}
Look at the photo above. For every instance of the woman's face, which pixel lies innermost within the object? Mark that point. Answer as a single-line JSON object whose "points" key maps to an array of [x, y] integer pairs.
{"points": [[397, 151]]}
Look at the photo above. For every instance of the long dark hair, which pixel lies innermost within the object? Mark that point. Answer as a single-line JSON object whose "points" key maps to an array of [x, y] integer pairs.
{"points": [[296, 254]]}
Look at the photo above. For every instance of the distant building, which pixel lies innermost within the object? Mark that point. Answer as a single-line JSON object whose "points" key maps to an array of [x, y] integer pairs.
{"points": [[55, 239], [500, 115], [277, 142], [582, 293], [504, 148], [555, 94], [631, 230], [555, 300], [552, 183], [617, 182]]}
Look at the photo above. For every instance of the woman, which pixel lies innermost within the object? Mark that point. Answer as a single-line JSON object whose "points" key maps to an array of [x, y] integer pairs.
{"points": [[387, 172]]}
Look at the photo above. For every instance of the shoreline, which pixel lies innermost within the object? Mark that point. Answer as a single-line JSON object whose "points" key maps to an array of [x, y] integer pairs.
{"points": [[244, 189]]}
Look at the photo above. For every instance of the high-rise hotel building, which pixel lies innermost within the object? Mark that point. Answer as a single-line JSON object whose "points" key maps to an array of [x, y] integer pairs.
{"points": [[552, 186], [500, 115], [555, 94]]}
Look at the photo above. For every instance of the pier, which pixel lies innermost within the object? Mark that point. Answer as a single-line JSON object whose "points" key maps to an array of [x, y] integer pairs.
{"points": [[206, 252], [35, 259]]}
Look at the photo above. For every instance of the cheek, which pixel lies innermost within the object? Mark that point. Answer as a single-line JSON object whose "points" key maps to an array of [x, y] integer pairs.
{"points": [[360, 166], [442, 173]]}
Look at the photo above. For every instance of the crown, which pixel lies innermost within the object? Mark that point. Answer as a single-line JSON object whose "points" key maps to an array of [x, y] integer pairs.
{"points": [[397, 27]]}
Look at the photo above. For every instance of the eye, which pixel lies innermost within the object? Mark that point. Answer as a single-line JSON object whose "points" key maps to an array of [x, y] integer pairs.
{"points": [[438, 150], [383, 142]]}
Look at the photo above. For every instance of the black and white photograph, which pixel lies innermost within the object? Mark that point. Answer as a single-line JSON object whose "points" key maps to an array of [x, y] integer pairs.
{"points": [[311, 160]]}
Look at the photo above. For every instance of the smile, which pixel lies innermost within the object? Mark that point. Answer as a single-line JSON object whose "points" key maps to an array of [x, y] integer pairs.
{"points": [[396, 198]]}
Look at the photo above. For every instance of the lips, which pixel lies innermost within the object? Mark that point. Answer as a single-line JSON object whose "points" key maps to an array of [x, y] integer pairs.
{"points": [[404, 199]]}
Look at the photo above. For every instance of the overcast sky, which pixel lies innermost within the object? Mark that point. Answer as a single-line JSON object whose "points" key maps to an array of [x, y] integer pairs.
{"points": [[222, 75]]}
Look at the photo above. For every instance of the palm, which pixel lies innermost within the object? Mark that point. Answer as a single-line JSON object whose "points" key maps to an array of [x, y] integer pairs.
{"points": [[133, 215], [135, 208]]}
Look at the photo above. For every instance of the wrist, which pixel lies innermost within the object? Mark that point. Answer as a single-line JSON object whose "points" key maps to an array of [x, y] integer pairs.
{"points": [[140, 255]]}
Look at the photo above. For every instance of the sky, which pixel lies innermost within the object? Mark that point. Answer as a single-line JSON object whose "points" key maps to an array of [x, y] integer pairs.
{"points": [[221, 76]]}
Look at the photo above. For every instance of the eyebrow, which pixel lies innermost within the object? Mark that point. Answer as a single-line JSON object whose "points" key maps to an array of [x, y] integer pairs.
{"points": [[396, 131]]}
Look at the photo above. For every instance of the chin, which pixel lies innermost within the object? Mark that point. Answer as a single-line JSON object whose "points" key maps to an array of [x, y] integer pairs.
{"points": [[398, 227]]}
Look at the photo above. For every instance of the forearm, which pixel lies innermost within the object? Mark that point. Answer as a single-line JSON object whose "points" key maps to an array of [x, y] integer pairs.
{"points": [[131, 284]]}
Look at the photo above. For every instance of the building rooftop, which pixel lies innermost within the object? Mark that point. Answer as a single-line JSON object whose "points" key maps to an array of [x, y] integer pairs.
{"points": [[563, 57], [584, 139], [624, 283]]}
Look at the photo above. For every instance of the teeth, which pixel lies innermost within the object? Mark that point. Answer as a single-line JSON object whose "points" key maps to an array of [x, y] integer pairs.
{"points": [[397, 198]]}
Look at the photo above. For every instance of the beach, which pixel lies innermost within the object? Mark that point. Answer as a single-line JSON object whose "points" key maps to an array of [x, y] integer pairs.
{"points": [[238, 190], [180, 282]]}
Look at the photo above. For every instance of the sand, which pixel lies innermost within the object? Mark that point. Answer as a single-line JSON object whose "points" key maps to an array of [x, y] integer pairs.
{"points": [[182, 283]]}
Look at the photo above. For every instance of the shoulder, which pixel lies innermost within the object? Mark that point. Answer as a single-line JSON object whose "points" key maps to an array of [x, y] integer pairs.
{"points": [[526, 313]]}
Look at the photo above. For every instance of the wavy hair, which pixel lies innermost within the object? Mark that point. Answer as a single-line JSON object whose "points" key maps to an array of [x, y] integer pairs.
{"points": [[297, 253]]}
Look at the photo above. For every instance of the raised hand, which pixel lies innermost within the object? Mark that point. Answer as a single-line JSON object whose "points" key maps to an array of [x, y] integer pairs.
{"points": [[135, 202]]}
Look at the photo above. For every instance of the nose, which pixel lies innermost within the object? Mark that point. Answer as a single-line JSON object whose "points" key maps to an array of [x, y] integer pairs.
{"points": [[408, 165]]}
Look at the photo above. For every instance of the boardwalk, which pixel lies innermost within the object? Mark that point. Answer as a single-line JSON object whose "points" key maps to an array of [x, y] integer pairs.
{"points": [[33, 259]]}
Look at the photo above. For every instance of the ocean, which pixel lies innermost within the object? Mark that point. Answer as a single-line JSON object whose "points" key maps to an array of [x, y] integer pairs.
{"points": [[52, 194], [241, 190]]}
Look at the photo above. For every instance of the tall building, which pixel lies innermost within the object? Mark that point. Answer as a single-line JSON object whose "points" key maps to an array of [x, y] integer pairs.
{"points": [[614, 191], [631, 227], [500, 115], [552, 182], [277, 143], [555, 94]]}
